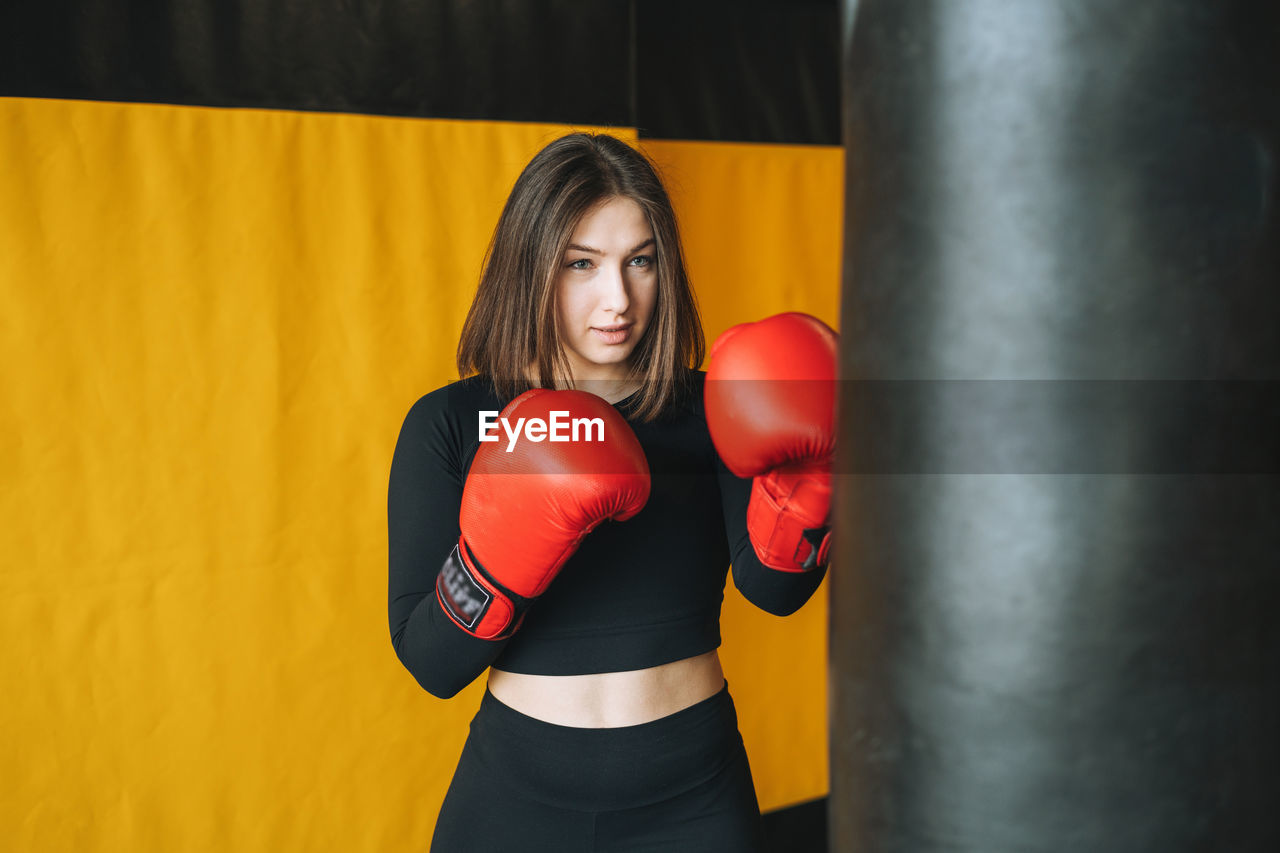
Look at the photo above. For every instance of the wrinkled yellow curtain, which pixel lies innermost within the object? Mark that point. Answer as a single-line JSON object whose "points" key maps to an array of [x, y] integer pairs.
{"points": [[213, 323]]}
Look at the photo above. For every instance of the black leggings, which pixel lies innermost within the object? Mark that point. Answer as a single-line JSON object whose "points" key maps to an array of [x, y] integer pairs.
{"points": [[681, 783]]}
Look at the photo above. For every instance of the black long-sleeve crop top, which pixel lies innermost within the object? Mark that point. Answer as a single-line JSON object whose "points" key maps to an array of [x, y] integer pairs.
{"points": [[636, 594]]}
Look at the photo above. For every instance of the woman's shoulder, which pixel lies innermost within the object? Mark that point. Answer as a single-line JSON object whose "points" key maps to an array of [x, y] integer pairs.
{"points": [[453, 402], [476, 388]]}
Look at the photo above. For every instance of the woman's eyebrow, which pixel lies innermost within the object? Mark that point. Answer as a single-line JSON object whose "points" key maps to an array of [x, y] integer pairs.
{"points": [[580, 248]]}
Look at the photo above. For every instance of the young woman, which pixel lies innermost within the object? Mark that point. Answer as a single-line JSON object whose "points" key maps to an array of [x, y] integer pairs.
{"points": [[593, 600]]}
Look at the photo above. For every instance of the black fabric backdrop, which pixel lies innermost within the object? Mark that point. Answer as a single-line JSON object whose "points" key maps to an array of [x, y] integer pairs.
{"points": [[746, 71]]}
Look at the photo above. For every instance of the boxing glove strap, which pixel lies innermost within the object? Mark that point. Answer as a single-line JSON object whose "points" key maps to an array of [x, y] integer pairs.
{"points": [[476, 602], [819, 539], [788, 519]]}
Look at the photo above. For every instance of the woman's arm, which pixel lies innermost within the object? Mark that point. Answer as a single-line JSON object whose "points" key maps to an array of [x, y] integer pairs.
{"points": [[423, 499]]}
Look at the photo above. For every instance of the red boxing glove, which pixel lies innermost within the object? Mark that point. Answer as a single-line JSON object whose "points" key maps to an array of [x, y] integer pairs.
{"points": [[563, 462], [770, 401]]}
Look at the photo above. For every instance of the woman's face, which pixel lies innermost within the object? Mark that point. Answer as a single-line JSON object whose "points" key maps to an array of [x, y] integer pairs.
{"points": [[606, 287]]}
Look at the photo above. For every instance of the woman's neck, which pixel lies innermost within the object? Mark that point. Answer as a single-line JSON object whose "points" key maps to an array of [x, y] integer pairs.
{"points": [[609, 388]]}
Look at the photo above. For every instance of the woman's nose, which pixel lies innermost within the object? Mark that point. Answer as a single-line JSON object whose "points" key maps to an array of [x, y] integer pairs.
{"points": [[615, 294]]}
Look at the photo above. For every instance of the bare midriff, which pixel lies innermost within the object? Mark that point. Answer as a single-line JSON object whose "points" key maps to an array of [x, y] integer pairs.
{"points": [[610, 699]]}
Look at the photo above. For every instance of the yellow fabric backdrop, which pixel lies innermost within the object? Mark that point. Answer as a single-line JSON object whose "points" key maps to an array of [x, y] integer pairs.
{"points": [[214, 322]]}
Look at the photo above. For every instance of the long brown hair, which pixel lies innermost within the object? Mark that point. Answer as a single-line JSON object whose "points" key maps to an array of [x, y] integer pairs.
{"points": [[511, 325]]}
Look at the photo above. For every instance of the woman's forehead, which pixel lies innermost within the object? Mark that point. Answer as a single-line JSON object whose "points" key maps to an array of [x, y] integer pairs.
{"points": [[615, 219]]}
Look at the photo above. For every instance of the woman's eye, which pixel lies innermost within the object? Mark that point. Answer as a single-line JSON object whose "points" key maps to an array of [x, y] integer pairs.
{"points": [[580, 264], [642, 261]]}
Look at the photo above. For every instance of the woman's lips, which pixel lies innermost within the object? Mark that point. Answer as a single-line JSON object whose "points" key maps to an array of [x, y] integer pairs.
{"points": [[612, 334]]}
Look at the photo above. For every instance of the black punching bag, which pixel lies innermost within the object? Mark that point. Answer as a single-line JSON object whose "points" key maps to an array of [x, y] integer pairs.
{"points": [[1055, 601]]}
